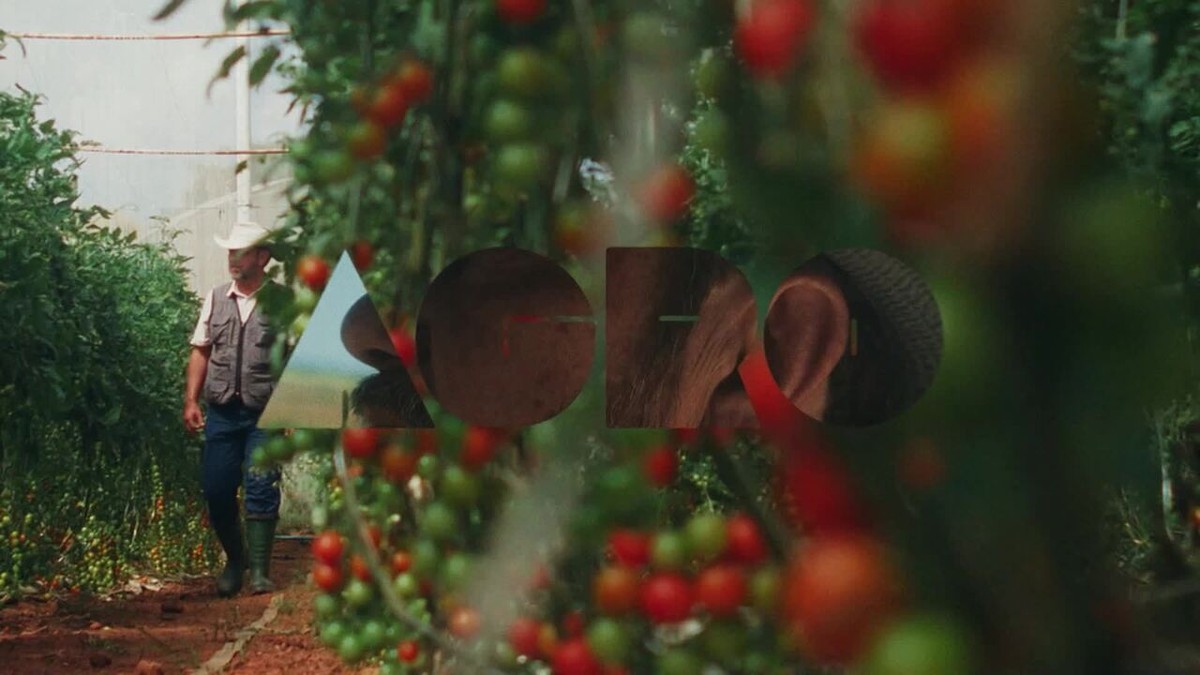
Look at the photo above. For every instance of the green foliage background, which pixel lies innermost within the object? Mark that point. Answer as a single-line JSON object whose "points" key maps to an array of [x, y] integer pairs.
{"points": [[96, 472]]}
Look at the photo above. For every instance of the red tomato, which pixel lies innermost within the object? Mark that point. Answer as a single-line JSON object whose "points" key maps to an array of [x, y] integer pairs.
{"points": [[328, 578], [415, 80], [721, 589], [359, 569], [666, 598], [389, 106], [629, 547], [744, 540], [818, 493], [660, 465], [313, 271], [362, 253], [408, 651], [574, 657], [360, 443], [770, 35], [404, 344], [615, 590], [464, 622], [401, 562], [838, 593], [397, 464], [479, 446], [327, 547], [910, 44], [520, 11], [665, 194], [523, 636]]}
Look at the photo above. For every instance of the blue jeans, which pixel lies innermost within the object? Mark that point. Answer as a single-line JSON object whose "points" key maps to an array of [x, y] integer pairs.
{"points": [[230, 435]]}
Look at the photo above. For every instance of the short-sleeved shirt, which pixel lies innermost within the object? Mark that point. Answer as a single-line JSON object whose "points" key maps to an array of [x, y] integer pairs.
{"points": [[245, 305]]}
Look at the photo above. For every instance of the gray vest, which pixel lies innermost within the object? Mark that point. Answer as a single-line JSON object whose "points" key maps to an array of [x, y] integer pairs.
{"points": [[240, 362]]}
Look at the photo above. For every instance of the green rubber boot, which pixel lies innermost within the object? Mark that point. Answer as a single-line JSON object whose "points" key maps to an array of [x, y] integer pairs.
{"points": [[260, 536], [229, 582]]}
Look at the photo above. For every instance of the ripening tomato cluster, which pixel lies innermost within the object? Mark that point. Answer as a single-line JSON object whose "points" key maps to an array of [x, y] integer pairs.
{"points": [[713, 573], [424, 496], [946, 115], [380, 108]]}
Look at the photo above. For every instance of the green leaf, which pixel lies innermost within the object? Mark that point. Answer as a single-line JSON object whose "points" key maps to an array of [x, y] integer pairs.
{"points": [[168, 9], [262, 65], [226, 66]]}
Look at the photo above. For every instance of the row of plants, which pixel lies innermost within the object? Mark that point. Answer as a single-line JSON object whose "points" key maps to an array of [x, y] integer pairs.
{"points": [[97, 479]]}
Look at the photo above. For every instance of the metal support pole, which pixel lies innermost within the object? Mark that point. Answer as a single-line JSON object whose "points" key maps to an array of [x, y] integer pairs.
{"points": [[241, 83]]}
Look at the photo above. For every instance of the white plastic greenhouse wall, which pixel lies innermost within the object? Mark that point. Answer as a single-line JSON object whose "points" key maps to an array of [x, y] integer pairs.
{"points": [[142, 100]]}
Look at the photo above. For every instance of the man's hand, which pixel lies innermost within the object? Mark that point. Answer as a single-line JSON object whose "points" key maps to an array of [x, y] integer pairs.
{"points": [[193, 419]]}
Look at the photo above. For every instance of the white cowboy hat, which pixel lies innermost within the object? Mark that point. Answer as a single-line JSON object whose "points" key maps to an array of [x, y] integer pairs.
{"points": [[244, 235]]}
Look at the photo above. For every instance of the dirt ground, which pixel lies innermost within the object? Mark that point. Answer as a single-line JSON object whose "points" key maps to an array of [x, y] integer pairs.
{"points": [[174, 627]]}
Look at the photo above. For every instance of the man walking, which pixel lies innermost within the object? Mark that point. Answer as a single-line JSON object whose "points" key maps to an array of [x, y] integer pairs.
{"points": [[230, 364]]}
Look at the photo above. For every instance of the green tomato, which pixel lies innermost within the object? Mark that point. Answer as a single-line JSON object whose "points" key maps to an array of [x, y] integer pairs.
{"points": [[622, 492], [333, 166], [406, 585], [326, 606], [357, 593], [279, 449], [429, 467], [609, 640], [373, 634], [332, 633], [706, 535], [459, 486], [520, 165], [305, 301], [522, 73], [509, 121], [425, 558], [303, 440], [440, 522], [456, 570], [925, 643], [669, 551], [351, 648], [260, 459]]}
